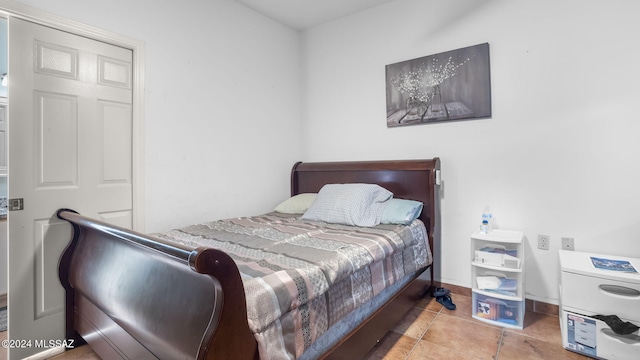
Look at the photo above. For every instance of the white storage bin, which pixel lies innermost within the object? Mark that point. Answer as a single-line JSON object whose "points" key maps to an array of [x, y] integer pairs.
{"points": [[587, 290], [592, 337], [498, 311], [585, 286]]}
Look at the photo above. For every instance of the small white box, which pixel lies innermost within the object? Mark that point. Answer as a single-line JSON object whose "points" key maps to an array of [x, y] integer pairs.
{"points": [[497, 259], [484, 257], [511, 262]]}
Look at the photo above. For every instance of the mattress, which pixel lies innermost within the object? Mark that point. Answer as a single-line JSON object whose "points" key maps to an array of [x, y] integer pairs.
{"points": [[301, 277]]}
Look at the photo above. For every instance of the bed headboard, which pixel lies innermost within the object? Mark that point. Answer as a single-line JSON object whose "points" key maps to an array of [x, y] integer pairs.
{"points": [[407, 179]]}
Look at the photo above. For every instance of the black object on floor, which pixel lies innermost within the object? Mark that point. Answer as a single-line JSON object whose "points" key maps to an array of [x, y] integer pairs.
{"points": [[618, 326], [443, 297], [438, 292]]}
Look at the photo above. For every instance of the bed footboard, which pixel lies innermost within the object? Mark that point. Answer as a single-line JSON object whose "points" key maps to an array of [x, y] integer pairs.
{"points": [[133, 296]]}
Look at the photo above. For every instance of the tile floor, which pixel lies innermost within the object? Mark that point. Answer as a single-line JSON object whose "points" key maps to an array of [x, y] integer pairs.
{"points": [[429, 331]]}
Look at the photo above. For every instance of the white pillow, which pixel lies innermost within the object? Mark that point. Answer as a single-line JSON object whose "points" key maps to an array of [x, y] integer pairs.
{"points": [[349, 204], [296, 204]]}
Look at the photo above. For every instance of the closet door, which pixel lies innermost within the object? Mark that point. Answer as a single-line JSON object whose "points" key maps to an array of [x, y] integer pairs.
{"points": [[70, 128]]}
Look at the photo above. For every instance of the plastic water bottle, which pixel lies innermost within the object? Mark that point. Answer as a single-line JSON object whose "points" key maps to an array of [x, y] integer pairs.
{"points": [[485, 226]]}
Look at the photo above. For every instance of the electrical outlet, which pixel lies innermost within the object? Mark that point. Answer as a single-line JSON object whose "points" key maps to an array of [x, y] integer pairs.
{"points": [[543, 242], [567, 243]]}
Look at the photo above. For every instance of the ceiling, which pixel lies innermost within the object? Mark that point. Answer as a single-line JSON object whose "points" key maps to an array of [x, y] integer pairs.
{"points": [[304, 14]]}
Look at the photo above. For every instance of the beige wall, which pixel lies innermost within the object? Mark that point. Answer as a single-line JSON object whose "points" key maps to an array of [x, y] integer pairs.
{"points": [[229, 90], [559, 155], [223, 103]]}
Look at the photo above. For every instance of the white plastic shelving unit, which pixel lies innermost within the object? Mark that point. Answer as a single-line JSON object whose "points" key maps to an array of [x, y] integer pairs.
{"points": [[499, 254]]}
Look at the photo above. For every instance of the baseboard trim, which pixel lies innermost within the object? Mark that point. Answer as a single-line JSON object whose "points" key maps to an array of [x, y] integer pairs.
{"points": [[531, 305]]}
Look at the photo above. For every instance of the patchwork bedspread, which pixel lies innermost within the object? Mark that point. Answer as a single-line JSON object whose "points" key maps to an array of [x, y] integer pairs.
{"points": [[300, 277]]}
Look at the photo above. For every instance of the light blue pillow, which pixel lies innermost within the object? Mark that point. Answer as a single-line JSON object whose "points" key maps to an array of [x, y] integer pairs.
{"points": [[401, 211], [349, 204]]}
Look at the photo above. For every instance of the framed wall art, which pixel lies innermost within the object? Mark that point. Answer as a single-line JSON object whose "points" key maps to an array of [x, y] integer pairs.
{"points": [[453, 85]]}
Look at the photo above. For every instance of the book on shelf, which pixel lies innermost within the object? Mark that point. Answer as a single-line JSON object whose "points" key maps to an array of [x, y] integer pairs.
{"points": [[499, 285]]}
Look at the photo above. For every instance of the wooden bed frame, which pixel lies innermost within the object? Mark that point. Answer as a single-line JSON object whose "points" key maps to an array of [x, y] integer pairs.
{"points": [[134, 296]]}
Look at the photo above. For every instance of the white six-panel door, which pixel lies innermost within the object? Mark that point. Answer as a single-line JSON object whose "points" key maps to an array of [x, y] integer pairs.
{"points": [[70, 127]]}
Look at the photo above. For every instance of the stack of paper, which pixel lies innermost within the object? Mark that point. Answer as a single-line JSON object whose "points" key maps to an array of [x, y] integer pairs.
{"points": [[500, 250], [500, 285]]}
